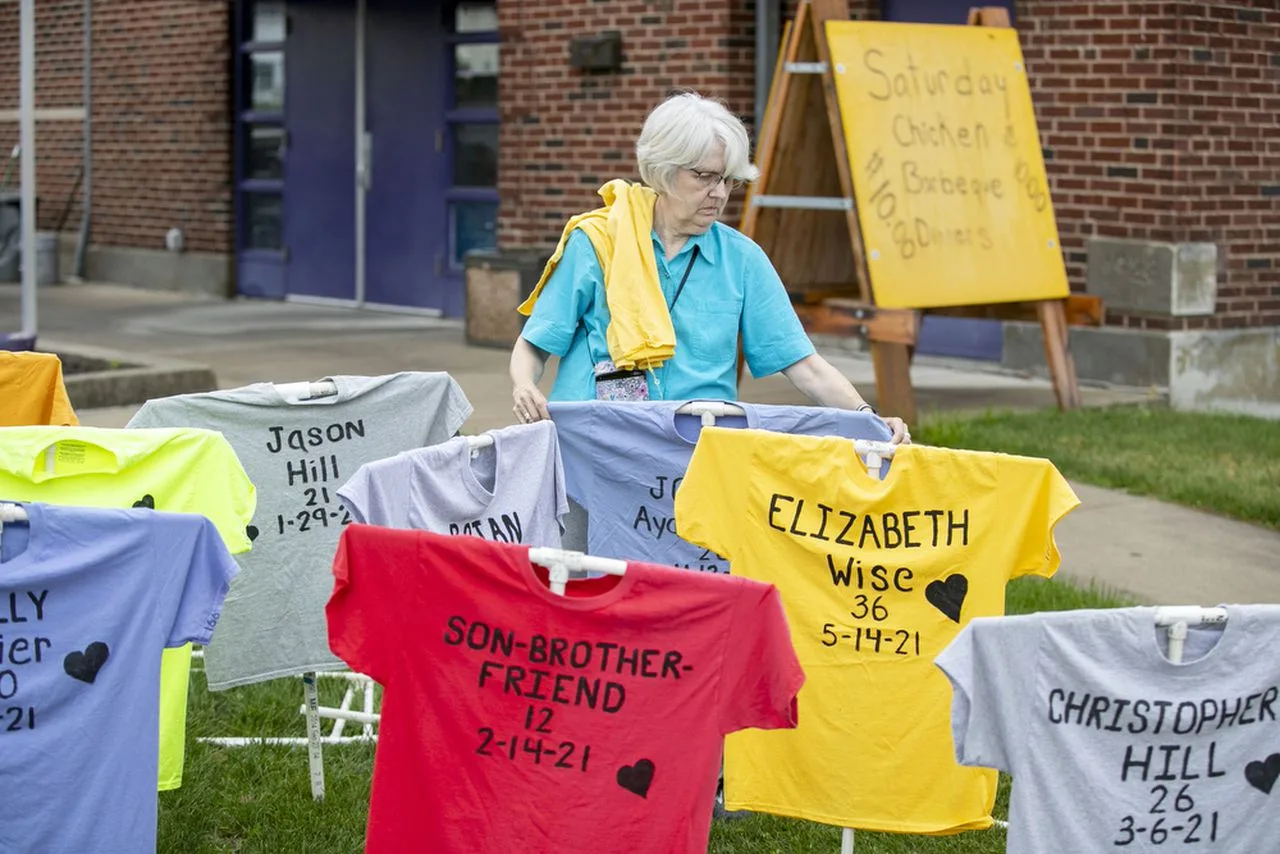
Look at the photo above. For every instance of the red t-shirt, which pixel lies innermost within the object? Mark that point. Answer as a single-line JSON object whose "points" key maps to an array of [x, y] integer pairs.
{"points": [[514, 719]]}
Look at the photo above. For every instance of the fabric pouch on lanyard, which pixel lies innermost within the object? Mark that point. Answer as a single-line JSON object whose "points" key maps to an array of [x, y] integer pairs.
{"points": [[613, 383]]}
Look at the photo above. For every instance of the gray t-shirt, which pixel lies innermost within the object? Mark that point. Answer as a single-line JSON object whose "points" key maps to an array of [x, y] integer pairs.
{"points": [[511, 491], [1113, 747], [297, 453]]}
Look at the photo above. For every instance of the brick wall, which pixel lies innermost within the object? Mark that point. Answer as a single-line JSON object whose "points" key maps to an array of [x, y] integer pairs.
{"points": [[565, 132], [161, 117], [1161, 121]]}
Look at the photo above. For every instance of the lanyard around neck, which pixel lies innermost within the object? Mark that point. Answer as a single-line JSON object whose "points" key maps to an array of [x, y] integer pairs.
{"points": [[693, 256]]}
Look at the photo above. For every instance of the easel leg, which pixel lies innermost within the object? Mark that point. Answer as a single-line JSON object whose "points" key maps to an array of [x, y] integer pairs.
{"points": [[1057, 351], [894, 394], [315, 754], [846, 840]]}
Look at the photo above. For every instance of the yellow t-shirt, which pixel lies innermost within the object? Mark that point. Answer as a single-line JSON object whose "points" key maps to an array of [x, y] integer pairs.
{"points": [[32, 392], [178, 470], [876, 578]]}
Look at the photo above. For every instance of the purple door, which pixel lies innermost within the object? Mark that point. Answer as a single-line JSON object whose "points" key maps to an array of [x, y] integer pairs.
{"points": [[951, 336], [406, 229], [319, 172]]}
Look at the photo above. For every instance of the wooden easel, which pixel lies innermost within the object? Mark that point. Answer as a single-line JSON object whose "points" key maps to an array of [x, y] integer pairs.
{"points": [[802, 211]]}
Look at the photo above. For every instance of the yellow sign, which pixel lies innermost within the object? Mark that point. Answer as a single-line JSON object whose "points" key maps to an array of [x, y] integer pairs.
{"points": [[948, 174]]}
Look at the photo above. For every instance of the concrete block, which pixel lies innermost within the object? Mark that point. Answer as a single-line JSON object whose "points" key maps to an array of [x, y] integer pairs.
{"points": [[1236, 370], [96, 377], [1177, 279], [203, 273], [1127, 357]]}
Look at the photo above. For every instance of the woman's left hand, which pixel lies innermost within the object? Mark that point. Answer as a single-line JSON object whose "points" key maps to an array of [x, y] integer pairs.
{"points": [[901, 435]]}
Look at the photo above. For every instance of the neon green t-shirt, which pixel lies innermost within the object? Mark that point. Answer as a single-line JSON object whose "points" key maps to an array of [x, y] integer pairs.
{"points": [[876, 577], [178, 470]]}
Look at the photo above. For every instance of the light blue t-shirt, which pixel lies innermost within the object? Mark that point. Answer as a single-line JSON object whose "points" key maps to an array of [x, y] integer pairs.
{"points": [[88, 599], [732, 288], [624, 463]]}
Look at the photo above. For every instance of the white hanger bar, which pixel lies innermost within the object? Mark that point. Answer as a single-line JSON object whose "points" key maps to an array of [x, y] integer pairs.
{"points": [[710, 410], [1192, 615], [484, 440], [13, 513], [560, 563], [1176, 618], [307, 390]]}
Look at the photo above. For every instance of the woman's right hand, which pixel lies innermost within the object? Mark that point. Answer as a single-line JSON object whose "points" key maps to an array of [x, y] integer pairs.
{"points": [[531, 404]]}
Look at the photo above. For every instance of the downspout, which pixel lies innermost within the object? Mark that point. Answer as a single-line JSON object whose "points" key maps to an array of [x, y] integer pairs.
{"points": [[82, 243], [767, 35]]}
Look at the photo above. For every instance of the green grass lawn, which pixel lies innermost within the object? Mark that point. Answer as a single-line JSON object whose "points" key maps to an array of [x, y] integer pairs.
{"points": [[1227, 464], [257, 799]]}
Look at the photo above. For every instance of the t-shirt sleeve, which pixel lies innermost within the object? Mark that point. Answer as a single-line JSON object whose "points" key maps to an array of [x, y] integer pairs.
{"points": [[574, 428], [233, 517], [148, 415], [457, 408], [762, 675], [364, 620], [557, 477], [356, 495], [1034, 497], [61, 413], [991, 665], [772, 336], [708, 502], [567, 295], [197, 574]]}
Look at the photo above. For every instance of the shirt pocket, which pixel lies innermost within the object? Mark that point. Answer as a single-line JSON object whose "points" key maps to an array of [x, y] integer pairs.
{"points": [[712, 327]]}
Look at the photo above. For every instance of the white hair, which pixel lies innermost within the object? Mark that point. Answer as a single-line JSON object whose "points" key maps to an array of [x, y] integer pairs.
{"points": [[684, 129]]}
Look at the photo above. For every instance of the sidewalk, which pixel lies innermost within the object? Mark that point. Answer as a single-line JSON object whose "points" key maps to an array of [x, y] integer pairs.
{"points": [[1158, 552]]}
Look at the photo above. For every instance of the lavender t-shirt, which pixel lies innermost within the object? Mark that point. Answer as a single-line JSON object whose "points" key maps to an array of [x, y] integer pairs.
{"points": [[624, 462], [511, 491], [89, 597]]}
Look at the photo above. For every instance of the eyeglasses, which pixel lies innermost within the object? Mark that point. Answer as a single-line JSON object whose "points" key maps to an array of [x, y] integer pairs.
{"points": [[710, 180]]}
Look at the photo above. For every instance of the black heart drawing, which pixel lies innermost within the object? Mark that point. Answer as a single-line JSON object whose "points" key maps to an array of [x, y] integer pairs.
{"points": [[146, 501], [948, 595], [1263, 775], [251, 532], [85, 665], [637, 778]]}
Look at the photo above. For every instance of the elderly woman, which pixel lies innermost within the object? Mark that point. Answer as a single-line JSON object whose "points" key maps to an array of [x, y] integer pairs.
{"points": [[646, 297]]}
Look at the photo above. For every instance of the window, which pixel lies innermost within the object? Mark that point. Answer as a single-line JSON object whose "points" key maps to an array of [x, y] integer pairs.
{"points": [[263, 220], [262, 140], [475, 155], [472, 129], [266, 81], [475, 75], [264, 152], [472, 225]]}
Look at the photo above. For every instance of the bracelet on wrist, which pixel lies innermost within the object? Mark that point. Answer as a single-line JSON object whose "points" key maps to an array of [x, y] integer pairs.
{"points": [[866, 407]]}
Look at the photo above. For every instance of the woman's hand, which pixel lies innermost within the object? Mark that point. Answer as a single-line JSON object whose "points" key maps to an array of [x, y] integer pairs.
{"points": [[527, 364], [531, 405], [901, 435]]}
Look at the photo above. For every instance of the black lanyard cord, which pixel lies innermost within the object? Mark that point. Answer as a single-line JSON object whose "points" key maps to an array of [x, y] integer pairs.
{"points": [[692, 258]]}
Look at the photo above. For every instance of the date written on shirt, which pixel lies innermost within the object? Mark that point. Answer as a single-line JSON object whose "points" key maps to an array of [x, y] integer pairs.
{"points": [[314, 514], [537, 748]]}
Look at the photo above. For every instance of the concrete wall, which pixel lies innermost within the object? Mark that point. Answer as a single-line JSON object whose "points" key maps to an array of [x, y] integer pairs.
{"points": [[1233, 370]]}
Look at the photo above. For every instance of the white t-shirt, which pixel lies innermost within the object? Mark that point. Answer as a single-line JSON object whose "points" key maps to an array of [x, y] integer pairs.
{"points": [[1112, 746]]}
